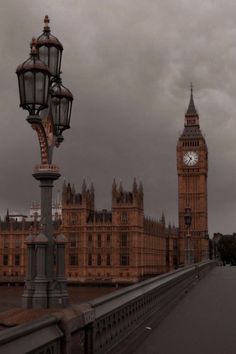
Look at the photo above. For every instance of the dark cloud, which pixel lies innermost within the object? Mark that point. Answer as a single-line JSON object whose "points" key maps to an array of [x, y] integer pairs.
{"points": [[129, 65]]}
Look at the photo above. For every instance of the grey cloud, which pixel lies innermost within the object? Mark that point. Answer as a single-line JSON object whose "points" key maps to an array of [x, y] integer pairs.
{"points": [[129, 65]]}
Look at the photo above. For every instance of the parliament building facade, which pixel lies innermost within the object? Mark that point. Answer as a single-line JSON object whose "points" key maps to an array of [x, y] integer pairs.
{"points": [[122, 245]]}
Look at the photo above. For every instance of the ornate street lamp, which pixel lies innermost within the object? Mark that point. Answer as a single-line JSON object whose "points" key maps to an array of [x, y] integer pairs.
{"points": [[33, 78], [49, 105], [61, 105], [188, 222], [50, 49]]}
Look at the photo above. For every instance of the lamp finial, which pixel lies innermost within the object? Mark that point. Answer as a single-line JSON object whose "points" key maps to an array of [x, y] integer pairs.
{"points": [[46, 23]]}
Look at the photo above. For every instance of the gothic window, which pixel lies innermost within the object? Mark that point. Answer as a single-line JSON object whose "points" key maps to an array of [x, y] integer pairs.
{"points": [[73, 259], [108, 238], [124, 259], [17, 259], [108, 260], [99, 239], [5, 259], [90, 240], [124, 217], [5, 242], [17, 242], [99, 260], [124, 240], [73, 218], [90, 260], [72, 241]]}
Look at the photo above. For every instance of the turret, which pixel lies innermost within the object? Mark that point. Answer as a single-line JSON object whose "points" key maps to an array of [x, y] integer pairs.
{"points": [[121, 197], [163, 221], [92, 196], [114, 190], [84, 188], [7, 218], [135, 187], [121, 188]]}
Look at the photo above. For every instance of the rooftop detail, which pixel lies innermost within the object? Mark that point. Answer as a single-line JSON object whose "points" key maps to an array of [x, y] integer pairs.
{"points": [[191, 111]]}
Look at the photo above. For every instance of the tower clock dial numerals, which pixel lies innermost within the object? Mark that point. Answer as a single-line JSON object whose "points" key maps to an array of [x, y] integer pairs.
{"points": [[190, 158]]}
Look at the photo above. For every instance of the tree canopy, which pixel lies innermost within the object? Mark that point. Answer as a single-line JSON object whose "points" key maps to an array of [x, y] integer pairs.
{"points": [[227, 249]]}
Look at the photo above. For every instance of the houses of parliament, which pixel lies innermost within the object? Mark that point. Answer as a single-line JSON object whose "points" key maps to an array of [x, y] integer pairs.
{"points": [[122, 245]]}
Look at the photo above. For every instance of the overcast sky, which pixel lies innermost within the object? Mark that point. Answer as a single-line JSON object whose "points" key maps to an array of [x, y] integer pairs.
{"points": [[129, 64]]}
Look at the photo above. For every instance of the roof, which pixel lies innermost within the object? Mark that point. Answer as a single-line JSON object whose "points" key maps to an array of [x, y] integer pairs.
{"points": [[191, 111], [191, 132], [103, 216]]}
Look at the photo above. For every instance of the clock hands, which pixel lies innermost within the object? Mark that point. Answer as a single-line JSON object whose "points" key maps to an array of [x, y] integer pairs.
{"points": [[190, 158]]}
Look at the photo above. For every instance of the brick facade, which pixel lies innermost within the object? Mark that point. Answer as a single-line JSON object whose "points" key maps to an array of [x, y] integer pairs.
{"points": [[192, 167], [120, 245], [116, 246]]}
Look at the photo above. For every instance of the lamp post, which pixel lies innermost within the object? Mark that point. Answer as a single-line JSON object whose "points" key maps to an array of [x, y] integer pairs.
{"points": [[49, 105], [188, 221]]}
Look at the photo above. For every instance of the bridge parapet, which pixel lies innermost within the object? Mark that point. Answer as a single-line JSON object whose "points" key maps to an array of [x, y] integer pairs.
{"points": [[119, 314], [39, 336], [103, 325]]}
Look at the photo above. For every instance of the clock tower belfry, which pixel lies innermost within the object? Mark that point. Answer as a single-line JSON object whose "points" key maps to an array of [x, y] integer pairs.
{"points": [[192, 167]]}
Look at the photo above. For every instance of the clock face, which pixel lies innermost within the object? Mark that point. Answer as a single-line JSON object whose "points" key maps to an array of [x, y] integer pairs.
{"points": [[190, 158]]}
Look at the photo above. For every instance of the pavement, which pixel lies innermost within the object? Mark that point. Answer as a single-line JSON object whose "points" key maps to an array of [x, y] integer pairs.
{"points": [[203, 322]]}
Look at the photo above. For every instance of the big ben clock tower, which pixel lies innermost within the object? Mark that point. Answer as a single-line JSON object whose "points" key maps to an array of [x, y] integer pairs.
{"points": [[192, 167]]}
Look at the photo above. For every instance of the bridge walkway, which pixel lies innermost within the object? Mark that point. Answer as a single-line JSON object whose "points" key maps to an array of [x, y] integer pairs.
{"points": [[203, 322]]}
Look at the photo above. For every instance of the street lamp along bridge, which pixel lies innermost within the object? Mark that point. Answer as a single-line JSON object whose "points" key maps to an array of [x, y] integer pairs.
{"points": [[49, 104], [188, 222]]}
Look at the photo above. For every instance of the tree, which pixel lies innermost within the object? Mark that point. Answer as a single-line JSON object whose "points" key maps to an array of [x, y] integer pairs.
{"points": [[227, 248]]}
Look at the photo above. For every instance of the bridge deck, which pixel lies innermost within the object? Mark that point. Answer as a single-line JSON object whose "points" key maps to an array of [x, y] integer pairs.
{"points": [[203, 322]]}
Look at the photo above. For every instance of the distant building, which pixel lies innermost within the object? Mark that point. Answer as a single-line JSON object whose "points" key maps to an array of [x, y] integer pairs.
{"points": [[116, 246], [119, 245], [35, 209]]}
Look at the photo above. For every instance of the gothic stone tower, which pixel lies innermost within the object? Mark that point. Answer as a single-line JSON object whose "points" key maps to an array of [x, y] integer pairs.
{"points": [[192, 167], [127, 222]]}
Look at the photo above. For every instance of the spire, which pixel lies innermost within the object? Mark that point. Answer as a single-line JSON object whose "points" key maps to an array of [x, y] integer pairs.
{"points": [[163, 221], [92, 188], [69, 187], [114, 185], [121, 187], [191, 111], [64, 185], [7, 218], [114, 190], [135, 187], [84, 186], [140, 188]]}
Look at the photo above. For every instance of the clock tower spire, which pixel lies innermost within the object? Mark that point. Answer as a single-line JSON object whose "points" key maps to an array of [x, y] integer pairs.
{"points": [[191, 116], [192, 168]]}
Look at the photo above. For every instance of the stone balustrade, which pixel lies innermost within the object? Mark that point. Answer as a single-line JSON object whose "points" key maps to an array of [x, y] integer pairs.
{"points": [[103, 325]]}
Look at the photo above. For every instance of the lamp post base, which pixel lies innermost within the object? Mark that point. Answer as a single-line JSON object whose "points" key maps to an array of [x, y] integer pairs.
{"points": [[27, 297], [57, 294], [45, 289]]}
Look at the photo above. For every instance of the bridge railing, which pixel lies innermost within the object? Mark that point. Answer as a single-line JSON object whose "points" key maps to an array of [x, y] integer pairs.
{"points": [[39, 336], [119, 314], [103, 325]]}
